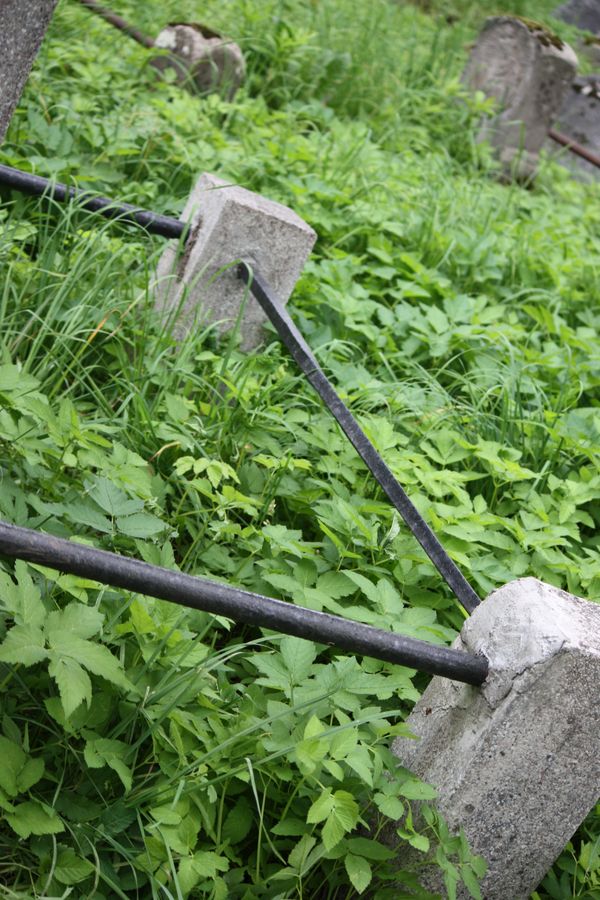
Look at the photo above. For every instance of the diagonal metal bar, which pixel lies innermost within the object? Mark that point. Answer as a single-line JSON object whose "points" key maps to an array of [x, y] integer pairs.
{"points": [[303, 355], [241, 606]]}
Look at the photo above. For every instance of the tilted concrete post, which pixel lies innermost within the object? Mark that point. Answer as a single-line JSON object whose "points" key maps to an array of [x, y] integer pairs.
{"points": [[229, 223], [23, 24], [517, 761], [527, 70]]}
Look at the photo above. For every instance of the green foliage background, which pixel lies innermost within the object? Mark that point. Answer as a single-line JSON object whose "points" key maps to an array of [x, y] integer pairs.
{"points": [[150, 751]]}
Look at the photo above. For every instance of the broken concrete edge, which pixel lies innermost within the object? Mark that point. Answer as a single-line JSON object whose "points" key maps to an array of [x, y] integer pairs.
{"points": [[515, 762], [23, 24], [230, 223]]}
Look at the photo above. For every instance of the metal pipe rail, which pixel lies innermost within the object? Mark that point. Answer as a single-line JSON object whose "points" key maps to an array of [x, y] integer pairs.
{"points": [[241, 606], [153, 222]]}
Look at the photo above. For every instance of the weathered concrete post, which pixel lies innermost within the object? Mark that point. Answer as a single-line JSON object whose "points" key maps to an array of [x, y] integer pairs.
{"points": [[517, 761], [23, 24], [528, 70], [229, 223], [201, 58]]}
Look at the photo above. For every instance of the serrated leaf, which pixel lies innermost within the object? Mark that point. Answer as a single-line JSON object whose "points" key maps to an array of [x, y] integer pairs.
{"points": [[413, 789], [298, 656], [71, 869], [342, 817], [73, 682], [391, 807], [33, 818], [30, 774], [112, 499], [370, 849], [321, 808], [76, 620], [238, 822], [336, 585], [95, 657], [13, 759], [140, 525], [187, 875], [23, 599], [359, 872], [100, 752], [23, 644]]}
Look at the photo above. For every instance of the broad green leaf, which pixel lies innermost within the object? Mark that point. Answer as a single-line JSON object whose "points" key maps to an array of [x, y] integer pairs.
{"points": [[112, 499], [13, 759], [33, 818], [94, 657], [73, 682], [30, 774], [100, 752], [23, 644], [238, 823], [70, 868], [74, 620], [23, 599], [187, 875], [140, 525], [298, 656], [370, 849], [342, 818], [413, 789], [321, 808], [359, 872]]}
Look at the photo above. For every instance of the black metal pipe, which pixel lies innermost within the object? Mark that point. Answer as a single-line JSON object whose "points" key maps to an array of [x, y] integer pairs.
{"points": [[115, 20], [307, 362], [241, 606], [574, 147], [133, 215]]}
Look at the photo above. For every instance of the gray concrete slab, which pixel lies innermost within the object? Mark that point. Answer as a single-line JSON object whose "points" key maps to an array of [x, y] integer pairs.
{"points": [[528, 70]]}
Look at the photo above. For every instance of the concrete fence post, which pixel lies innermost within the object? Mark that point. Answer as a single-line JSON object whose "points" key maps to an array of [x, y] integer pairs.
{"points": [[229, 223], [517, 761], [528, 70], [23, 24]]}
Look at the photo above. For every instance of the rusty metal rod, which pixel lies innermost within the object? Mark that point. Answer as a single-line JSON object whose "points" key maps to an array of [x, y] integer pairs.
{"points": [[119, 23], [574, 147]]}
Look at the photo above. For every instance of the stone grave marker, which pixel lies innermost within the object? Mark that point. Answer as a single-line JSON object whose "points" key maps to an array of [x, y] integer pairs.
{"points": [[201, 59], [23, 24], [579, 119], [528, 70], [585, 14]]}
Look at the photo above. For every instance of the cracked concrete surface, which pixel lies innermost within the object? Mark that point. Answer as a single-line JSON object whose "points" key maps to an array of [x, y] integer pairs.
{"points": [[516, 761]]}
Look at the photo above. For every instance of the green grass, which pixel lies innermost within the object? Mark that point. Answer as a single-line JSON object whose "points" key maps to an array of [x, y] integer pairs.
{"points": [[458, 318]]}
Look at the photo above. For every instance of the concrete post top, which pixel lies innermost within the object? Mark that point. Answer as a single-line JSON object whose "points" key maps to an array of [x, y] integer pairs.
{"points": [[212, 194], [548, 43], [524, 624]]}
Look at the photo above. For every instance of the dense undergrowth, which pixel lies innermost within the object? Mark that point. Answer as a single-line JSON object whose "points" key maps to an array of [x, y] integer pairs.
{"points": [[150, 751]]}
